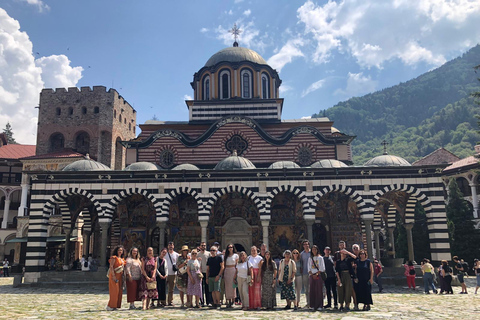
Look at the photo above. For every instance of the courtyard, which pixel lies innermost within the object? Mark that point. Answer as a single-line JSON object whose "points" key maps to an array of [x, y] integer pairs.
{"points": [[89, 302]]}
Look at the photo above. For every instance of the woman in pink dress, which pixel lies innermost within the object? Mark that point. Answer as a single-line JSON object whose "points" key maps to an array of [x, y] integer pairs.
{"points": [[194, 287], [255, 290]]}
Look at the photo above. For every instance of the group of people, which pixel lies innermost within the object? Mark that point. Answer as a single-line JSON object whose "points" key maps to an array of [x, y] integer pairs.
{"points": [[207, 277]]}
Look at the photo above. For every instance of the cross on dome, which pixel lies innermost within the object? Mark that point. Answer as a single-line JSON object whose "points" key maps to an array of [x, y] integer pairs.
{"points": [[235, 31], [385, 144]]}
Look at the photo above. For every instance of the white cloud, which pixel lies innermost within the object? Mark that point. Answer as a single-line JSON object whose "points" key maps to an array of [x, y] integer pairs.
{"points": [[238, 1], [249, 37], [247, 12], [376, 31], [286, 54], [284, 88], [187, 97], [39, 4], [313, 87], [357, 85], [21, 79], [306, 117], [203, 30]]}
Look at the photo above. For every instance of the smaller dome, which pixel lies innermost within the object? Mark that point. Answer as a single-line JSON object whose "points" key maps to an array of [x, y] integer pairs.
{"points": [[186, 166], [234, 162], [284, 164], [235, 54], [329, 163], [142, 166], [86, 164], [386, 160]]}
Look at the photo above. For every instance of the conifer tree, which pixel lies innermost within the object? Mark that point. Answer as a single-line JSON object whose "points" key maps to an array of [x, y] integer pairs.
{"points": [[464, 238], [9, 134]]}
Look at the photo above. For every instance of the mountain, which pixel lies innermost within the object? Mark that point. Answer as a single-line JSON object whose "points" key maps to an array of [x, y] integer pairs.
{"points": [[416, 117]]}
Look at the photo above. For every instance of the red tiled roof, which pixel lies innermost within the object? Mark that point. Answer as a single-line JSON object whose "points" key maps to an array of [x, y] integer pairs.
{"points": [[439, 156], [468, 161], [16, 151], [60, 154]]}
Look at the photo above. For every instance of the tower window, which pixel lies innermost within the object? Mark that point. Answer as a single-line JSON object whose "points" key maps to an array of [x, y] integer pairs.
{"points": [[58, 111], [206, 89], [114, 113], [56, 142], [246, 84], [96, 110], [84, 110], [70, 111], [265, 87], [225, 84], [120, 118]]}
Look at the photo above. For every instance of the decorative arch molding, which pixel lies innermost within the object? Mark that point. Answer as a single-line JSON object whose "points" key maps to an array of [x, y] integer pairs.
{"points": [[112, 205], [165, 208], [60, 197], [411, 190], [288, 188], [357, 198], [8, 191], [9, 237], [236, 188]]}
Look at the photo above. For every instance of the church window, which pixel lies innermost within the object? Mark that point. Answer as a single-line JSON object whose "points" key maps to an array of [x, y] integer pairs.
{"points": [[166, 158], [305, 156], [59, 111], [96, 110], [70, 111], [206, 88], [246, 84], [265, 87], [120, 118], [224, 84], [84, 110], [82, 143], [236, 143], [57, 142]]}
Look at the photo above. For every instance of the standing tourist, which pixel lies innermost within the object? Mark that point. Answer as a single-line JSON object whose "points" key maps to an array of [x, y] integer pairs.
{"points": [[364, 279], [215, 269], [298, 276], [231, 259], [172, 257], [331, 281], [115, 278], [427, 270], [203, 256], [241, 277], [343, 266], [356, 251], [447, 277], [315, 267], [410, 273], [148, 286], [134, 274], [6, 272], [268, 276], [255, 290], [194, 287], [378, 271], [476, 267], [182, 275], [462, 270], [263, 249], [162, 275], [305, 255], [286, 278]]}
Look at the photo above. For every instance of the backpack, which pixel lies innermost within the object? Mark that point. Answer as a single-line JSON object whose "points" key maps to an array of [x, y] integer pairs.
{"points": [[85, 264], [412, 272]]}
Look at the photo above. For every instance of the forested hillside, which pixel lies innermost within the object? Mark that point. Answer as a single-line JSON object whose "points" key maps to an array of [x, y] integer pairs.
{"points": [[416, 117]]}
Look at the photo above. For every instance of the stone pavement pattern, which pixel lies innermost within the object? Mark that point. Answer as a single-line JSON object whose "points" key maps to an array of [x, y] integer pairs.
{"points": [[89, 303]]}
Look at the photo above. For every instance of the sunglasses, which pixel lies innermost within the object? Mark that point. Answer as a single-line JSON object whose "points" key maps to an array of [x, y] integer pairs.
{"points": [[295, 253], [213, 250]]}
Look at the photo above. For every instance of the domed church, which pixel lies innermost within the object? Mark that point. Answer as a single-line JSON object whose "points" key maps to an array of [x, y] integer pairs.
{"points": [[234, 172]]}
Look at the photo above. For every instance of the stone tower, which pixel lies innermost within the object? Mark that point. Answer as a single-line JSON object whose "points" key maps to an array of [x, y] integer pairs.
{"points": [[85, 121]]}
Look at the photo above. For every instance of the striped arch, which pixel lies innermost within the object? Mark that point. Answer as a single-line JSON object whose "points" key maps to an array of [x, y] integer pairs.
{"points": [[249, 193], [112, 205], [175, 193], [288, 188], [411, 190], [361, 205], [392, 216]]}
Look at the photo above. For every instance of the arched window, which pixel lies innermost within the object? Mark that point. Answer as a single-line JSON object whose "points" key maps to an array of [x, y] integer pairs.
{"points": [[84, 110], [114, 113], [82, 143], [129, 126], [96, 110], [224, 86], [57, 142], [206, 88], [70, 111], [58, 111], [120, 118], [246, 76], [265, 87]]}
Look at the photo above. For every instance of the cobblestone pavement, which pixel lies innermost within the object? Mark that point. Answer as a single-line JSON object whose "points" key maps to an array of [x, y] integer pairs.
{"points": [[89, 303]]}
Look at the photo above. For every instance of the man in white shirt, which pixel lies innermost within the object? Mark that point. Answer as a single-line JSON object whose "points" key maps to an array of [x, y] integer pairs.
{"points": [[304, 256], [171, 258], [203, 256]]}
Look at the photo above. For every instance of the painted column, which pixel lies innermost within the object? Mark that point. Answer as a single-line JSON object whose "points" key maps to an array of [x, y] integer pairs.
{"points": [[203, 225], [265, 224], [66, 256], [103, 254], [377, 244], [86, 244], [409, 227], [23, 202], [310, 230], [161, 227], [473, 186], [368, 233], [392, 241], [6, 212]]}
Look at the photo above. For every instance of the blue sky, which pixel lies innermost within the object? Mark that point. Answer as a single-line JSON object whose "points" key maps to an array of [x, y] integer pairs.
{"points": [[325, 51]]}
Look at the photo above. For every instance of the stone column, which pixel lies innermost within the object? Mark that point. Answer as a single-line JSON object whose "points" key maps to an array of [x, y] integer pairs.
{"points": [[265, 224], [66, 256], [23, 203], [6, 214], [409, 227], [473, 186], [310, 230], [103, 253], [86, 244], [368, 233], [204, 225], [377, 244], [161, 241], [392, 240]]}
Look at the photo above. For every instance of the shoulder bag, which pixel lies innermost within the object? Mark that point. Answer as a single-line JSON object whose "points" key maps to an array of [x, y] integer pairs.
{"points": [[174, 266]]}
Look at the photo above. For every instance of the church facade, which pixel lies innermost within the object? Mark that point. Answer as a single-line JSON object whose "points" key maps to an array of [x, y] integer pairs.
{"points": [[235, 172]]}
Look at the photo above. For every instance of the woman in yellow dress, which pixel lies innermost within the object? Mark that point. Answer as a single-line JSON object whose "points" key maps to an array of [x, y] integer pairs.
{"points": [[115, 276]]}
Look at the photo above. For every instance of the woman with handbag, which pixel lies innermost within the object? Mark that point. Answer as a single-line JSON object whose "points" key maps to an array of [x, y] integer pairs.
{"points": [[162, 275], [134, 275], [410, 273], [268, 270], [286, 278], [364, 278], [182, 275], [195, 276], [242, 277], [316, 271], [148, 286], [115, 278]]}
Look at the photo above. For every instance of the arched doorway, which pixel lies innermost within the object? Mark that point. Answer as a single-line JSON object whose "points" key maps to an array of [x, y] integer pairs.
{"points": [[237, 231]]}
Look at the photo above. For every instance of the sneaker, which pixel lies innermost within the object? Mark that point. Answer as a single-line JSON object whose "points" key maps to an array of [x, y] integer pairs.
{"points": [[287, 307], [328, 306], [132, 307], [295, 308], [320, 309], [109, 309], [335, 307]]}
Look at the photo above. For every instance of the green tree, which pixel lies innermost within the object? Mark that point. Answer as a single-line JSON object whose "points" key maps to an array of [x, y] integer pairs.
{"points": [[476, 95], [9, 134], [421, 241], [400, 236], [464, 238]]}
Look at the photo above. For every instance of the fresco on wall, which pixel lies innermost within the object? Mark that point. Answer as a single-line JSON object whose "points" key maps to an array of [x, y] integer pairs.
{"points": [[234, 204], [183, 227]]}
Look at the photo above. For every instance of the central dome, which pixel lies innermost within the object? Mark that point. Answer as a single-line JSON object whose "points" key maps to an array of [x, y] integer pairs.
{"points": [[235, 54]]}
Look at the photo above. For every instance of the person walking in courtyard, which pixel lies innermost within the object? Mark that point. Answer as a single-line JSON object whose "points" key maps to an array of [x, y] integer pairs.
{"points": [[427, 270], [171, 257], [268, 274], [241, 277], [255, 289], [410, 273], [304, 256], [331, 281], [194, 287], [461, 269], [148, 285], [134, 274], [315, 267], [203, 256], [182, 275], [230, 259], [215, 269], [476, 267], [162, 276], [6, 266], [377, 277], [286, 277], [447, 277], [298, 276], [115, 278], [364, 279]]}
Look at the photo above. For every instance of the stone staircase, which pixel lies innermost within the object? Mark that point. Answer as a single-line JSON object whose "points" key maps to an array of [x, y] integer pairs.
{"points": [[72, 278]]}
